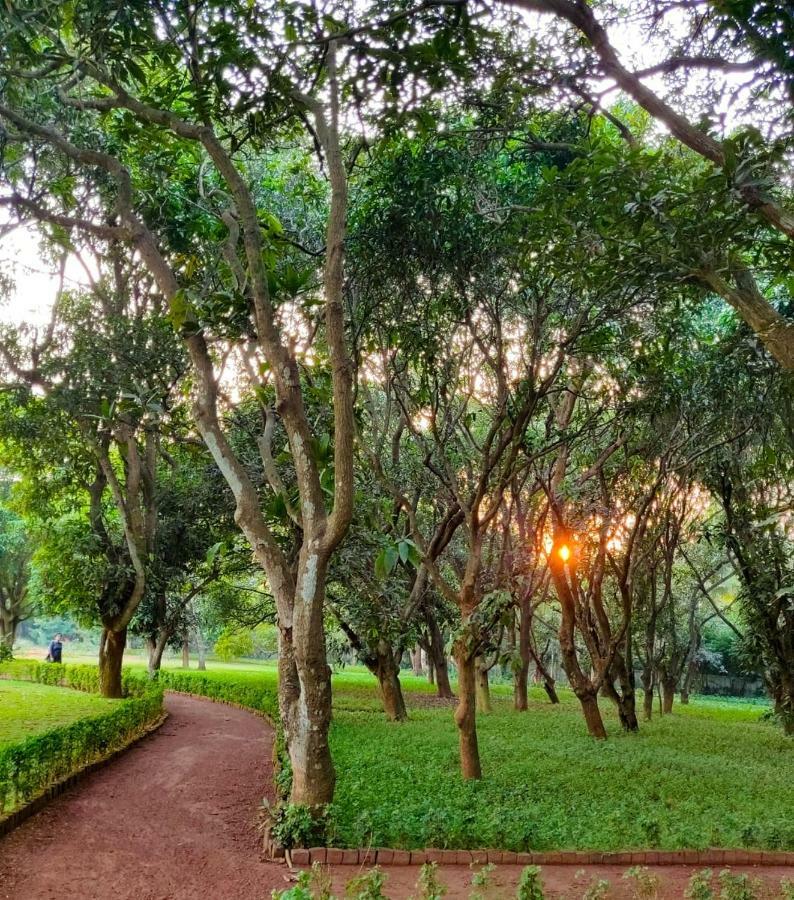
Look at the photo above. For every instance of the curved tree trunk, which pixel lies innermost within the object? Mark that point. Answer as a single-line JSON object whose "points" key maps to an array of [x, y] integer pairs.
{"points": [[465, 715], [482, 687], [388, 675], [156, 649], [111, 656]]}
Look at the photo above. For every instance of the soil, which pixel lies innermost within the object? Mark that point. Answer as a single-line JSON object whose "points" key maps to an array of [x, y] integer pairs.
{"points": [[174, 817], [563, 882]]}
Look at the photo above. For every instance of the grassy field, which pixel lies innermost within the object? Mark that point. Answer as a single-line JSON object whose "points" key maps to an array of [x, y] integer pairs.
{"points": [[27, 709], [712, 774]]}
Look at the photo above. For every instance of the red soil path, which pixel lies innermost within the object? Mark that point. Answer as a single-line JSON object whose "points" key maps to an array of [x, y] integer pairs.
{"points": [[175, 818]]}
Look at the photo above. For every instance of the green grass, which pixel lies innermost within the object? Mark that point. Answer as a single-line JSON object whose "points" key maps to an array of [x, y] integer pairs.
{"points": [[711, 774], [27, 709]]}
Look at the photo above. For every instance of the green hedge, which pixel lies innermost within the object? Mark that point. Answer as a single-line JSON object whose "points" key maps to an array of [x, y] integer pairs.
{"points": [[28, 767], [253, 690]]}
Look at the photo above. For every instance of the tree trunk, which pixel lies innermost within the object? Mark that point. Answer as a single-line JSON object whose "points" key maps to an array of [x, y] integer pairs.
{"points": [[668, 695], [431, 671], [465, 715], [550, 688], [388, 675], [783, 694], [520, 698], [201, 649], [185, 652], [482, 687], [647, 703], [416, 661], [305, 687], [111, 656], [520, 679], [156, 649], [592, 716], [438, 659]]}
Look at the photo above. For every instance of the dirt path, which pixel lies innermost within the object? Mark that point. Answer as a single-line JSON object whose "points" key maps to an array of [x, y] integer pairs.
{"points": [[174, 817]]}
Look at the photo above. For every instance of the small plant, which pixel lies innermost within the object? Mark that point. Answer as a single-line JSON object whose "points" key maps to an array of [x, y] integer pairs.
{"points": [[646, 884], [481, 879], [737, 887], [699, 887], [296, 826], [320, 881], [367, 886], [597, 890], [786, 889], [6, 653], [301, 890], [429, 885], [530, 885]]}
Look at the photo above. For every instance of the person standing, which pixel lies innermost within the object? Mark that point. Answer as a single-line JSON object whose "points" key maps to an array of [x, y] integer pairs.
{"points": [[55, 649]]}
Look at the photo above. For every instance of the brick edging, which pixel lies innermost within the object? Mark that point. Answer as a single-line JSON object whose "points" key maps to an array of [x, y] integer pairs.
{"points": [[385, 857], [16, 818]]}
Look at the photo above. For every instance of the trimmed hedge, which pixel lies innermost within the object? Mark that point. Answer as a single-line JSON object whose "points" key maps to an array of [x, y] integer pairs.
{"points": [[253, 690], [28, 767]]}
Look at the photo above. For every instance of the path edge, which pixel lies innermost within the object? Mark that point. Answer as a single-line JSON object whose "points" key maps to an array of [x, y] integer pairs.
{"points": [[39, 802], [381, 856]]}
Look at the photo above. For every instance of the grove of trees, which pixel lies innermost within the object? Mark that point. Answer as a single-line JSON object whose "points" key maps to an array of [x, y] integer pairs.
{"points": [[462, 326]]}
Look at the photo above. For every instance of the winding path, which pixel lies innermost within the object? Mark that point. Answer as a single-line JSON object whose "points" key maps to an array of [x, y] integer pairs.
{"points": [[174, 817]]}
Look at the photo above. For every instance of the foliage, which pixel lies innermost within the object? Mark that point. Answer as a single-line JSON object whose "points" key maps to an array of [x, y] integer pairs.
{"points": [[30, 765], [429, 885], [234, 642], [735, 886], [367, 886], [530, 885], [646, 883], [699, 887]]}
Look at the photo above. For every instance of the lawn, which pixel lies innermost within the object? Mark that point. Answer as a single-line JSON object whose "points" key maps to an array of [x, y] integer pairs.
{"points": [[713, 774], [27, 709]]}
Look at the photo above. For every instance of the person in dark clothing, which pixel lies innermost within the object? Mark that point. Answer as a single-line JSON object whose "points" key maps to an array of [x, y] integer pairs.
{"points": [[55, 650]]}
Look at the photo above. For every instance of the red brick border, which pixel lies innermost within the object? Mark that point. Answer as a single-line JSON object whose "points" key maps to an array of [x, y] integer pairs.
{"points": [[16, 818], [385, 857]]}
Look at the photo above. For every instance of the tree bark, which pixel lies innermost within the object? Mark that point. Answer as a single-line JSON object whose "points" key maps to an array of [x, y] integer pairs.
{"points": [[438, 659], [185, 652], [156, 649], [111, 656], [482, 687], [388, 675], [201, 649], [647, 702], [592, 716], [521, 676], [305, 687], [416, 661], [668, 695], [465, 715]]}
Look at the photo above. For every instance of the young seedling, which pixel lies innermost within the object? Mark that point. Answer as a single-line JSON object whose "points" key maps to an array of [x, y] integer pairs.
{"points": [[597, 890], [737, 887], [367, 886], [699, 887], [646, 884], [530, 885], [429, 885], [481, 879]]}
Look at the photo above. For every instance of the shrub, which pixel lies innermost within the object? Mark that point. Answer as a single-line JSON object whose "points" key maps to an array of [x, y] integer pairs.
{"points": [[234, 643], [737, 887]]}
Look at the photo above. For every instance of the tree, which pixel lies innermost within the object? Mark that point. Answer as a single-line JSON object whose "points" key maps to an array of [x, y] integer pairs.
{"points": [[16, 604]]}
